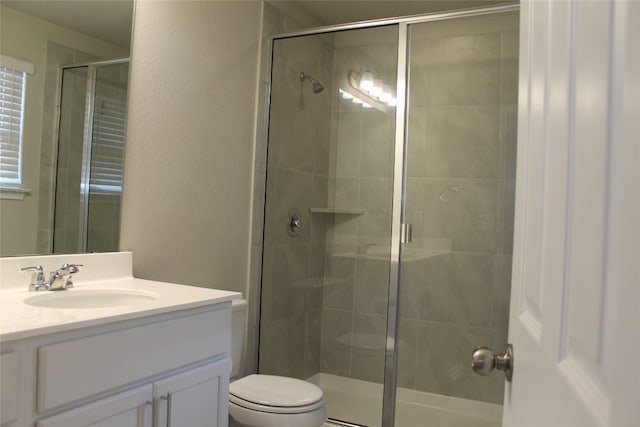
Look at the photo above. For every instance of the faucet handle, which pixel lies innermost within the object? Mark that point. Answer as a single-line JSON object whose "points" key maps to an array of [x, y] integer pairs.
{"points": [[61, 278], [71, 268], [37, 269], [37, 277]]}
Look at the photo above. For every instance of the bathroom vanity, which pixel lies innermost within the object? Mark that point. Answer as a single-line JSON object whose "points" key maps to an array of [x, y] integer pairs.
{"points": [[112, 351]]}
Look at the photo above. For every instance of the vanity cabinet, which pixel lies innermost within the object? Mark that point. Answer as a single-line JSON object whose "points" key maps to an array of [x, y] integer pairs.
{"points": [[188, 399], [170, 369]]}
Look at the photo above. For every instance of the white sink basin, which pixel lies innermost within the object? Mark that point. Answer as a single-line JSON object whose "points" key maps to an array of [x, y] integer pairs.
{"points": [[91, 298]]}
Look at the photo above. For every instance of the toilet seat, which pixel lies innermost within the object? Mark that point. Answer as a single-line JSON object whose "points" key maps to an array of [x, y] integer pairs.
{"points": [[284, 410], [275, 395]]}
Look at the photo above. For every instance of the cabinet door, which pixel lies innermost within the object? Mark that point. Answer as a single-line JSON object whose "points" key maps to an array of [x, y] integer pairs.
{"points": [[195, 398], [127, 409]]}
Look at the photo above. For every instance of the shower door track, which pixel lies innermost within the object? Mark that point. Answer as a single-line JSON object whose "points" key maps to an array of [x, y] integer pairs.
{"points": [[399, 169], [340, 423]]}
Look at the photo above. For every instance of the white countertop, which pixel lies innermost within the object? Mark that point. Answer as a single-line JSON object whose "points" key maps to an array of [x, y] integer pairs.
{"points": [[20, 320]]}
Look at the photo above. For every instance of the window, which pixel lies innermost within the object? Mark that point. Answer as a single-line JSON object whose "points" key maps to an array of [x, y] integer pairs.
{"points": [[13, 76], [107, 147]]}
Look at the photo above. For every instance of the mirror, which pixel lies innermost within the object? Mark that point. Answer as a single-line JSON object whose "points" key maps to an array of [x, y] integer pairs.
{"points": [[37, 214]]}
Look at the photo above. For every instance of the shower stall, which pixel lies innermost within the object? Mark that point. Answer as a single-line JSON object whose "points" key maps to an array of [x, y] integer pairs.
{"points": [[90, 158], [389, 214]]}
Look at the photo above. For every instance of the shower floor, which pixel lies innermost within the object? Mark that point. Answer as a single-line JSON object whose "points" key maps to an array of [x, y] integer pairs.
{"points": [[360, 402]]}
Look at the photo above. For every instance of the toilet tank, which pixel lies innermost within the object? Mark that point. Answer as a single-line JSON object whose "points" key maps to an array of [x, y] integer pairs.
{"points": [[238, 321]]}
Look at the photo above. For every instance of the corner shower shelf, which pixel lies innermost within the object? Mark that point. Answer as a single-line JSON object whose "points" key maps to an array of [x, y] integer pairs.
{"points": [[337, 211]]}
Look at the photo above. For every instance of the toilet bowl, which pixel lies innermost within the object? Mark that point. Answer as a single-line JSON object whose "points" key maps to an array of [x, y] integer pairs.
{"points": [[269, 400], [272, 401]]}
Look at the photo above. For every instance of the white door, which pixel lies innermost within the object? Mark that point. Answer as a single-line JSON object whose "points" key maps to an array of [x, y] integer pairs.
{"points": [[575, 306], [195, 398]]}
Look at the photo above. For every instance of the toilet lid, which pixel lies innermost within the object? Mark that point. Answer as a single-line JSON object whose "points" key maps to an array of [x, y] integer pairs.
{"points": [[275, 391]]}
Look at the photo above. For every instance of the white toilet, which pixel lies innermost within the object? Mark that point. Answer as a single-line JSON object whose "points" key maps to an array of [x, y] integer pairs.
{"points": [[268, 400]]}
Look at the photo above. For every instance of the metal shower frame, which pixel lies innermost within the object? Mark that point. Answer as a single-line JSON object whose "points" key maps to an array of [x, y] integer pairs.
{"points": [[398, 225]]}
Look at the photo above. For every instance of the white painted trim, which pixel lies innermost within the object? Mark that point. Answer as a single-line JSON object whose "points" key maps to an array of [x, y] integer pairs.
{"points": [[9, 193], [17, 64]]}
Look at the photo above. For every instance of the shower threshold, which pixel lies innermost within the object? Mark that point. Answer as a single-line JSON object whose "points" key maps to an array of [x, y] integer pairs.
{"points": [[359, 403]]}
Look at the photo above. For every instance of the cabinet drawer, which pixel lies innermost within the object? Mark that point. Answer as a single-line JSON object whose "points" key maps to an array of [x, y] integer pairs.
{"points": [[85, 367], [126, 409]]}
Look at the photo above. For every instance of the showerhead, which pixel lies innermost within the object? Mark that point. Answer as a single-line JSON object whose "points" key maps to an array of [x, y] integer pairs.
{"points": [[317, 86]]}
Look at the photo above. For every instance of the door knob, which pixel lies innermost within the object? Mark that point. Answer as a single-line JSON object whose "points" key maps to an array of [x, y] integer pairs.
{"points": [[484, 361]]}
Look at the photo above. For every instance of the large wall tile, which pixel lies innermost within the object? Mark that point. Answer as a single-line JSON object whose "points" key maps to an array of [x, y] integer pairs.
{"points": [[283, 351], [463, 211], [463, 70], [509, 46], [377, 144], [290, 280], [462, 142], [349, 140], [408, 351], [457, 289], [346, 193], [501, 291], [336, 342], [368, 341], [417, 145], [372, 286], [313, 342], [444, 363], [338, 293]]}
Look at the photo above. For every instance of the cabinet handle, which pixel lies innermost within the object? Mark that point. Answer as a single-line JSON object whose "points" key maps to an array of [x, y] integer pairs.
{"points": [[168, 398], [156, 411], [142, 409]]}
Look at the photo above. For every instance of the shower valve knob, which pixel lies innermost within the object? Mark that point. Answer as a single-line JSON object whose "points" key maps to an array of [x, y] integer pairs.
{"points": [[484, 360], [294, 222]]}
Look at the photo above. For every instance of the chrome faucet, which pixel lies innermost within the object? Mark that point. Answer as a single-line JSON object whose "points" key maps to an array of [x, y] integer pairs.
{"points": [[59, 280]]}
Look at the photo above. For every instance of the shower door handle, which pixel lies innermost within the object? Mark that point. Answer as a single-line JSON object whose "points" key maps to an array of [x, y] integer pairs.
{"points": [[484, 361]]}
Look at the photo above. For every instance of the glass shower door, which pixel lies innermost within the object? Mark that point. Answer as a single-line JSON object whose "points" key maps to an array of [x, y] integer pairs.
{"points": [[459, 198], [326, 260]]}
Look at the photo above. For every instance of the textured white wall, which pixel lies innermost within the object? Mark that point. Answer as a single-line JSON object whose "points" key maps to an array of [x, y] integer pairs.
{"points": [[189, 158]]}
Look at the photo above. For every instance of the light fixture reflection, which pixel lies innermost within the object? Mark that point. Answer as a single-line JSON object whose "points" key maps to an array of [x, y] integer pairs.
{"points": [[366, 81], [374, 90]]}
